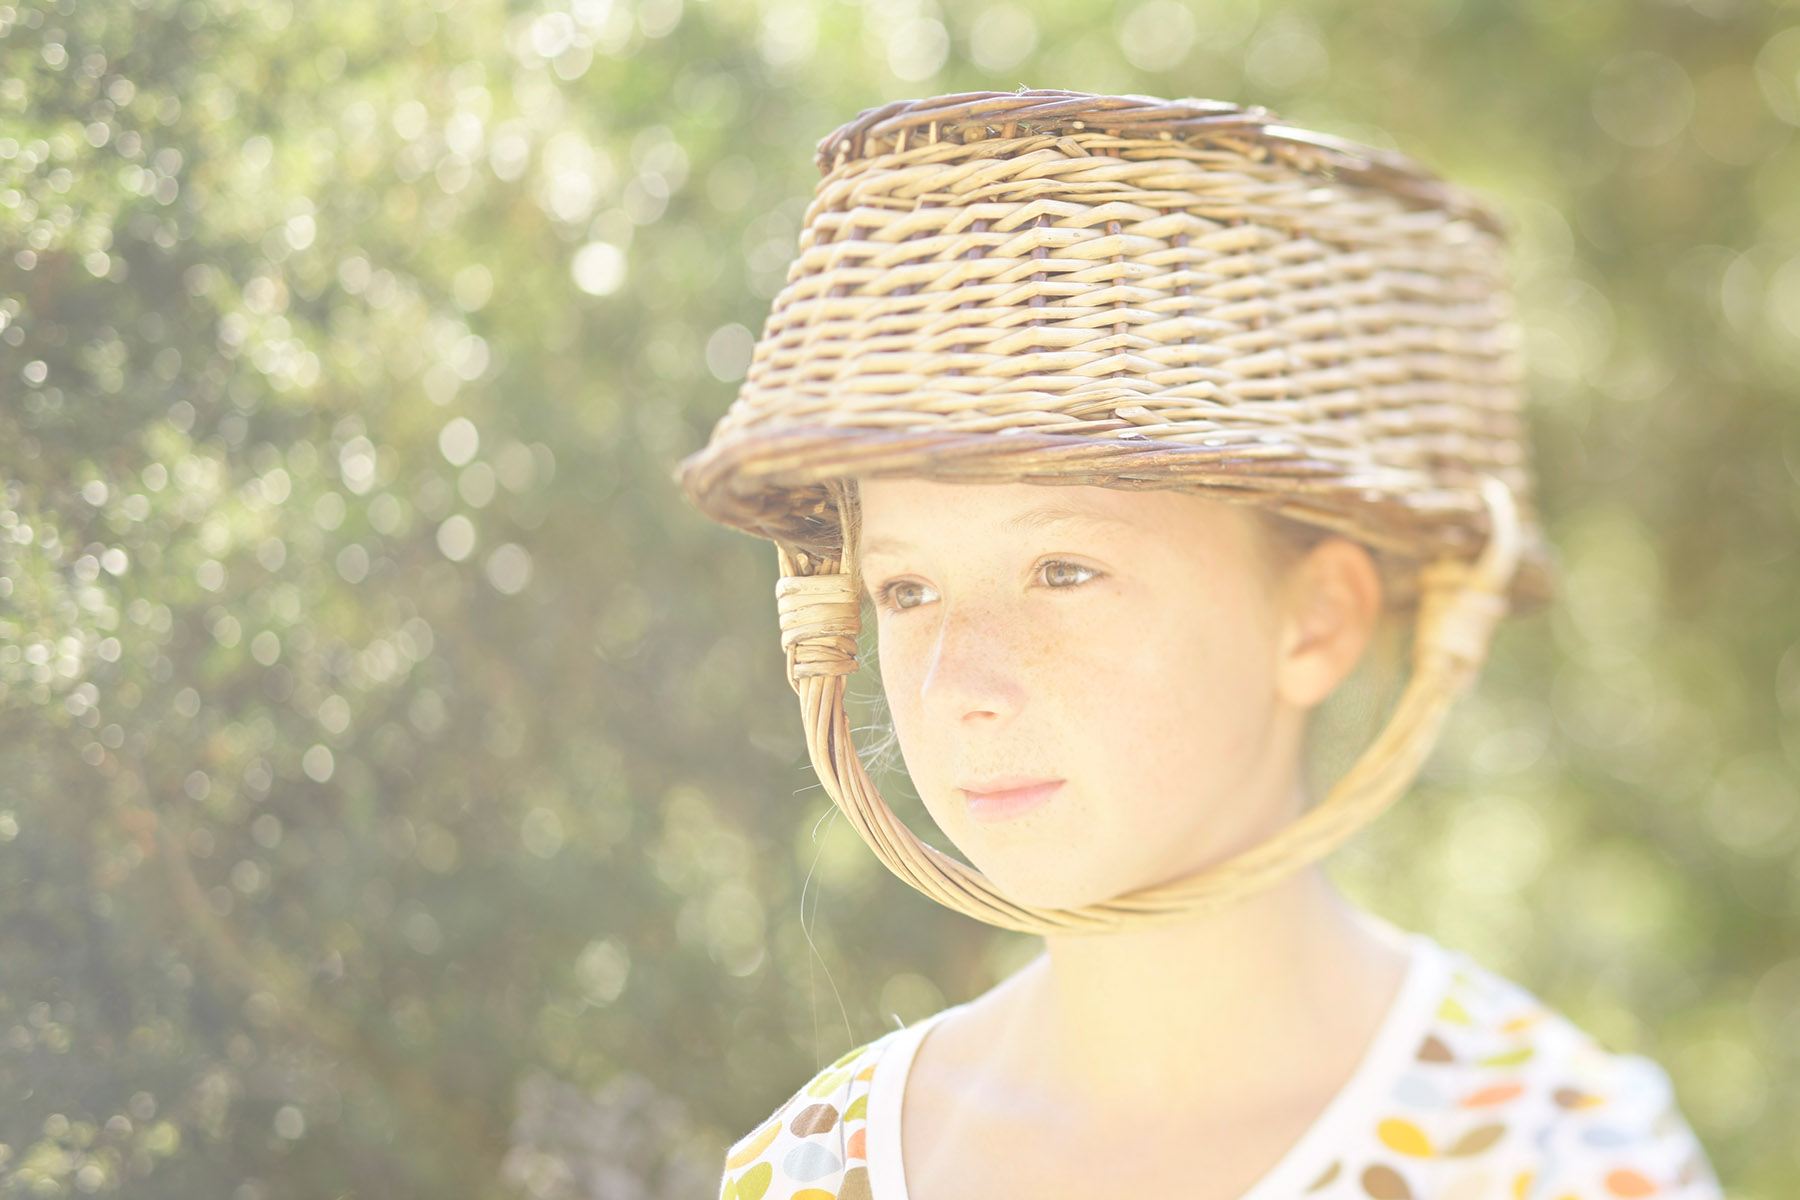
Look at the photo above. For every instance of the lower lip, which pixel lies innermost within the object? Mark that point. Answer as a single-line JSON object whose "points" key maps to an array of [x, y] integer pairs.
{"points": [[1004, 806]]}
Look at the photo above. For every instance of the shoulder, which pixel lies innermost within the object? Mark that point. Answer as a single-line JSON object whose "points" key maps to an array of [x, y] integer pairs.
{"points": [[1505, 1092], [814, 1146]]}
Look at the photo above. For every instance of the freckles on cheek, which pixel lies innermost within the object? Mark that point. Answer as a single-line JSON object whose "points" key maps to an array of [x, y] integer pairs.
{"points": [[1112, 695], [1182, 701]]}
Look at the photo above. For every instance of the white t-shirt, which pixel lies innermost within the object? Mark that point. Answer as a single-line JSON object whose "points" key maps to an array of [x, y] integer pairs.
{"points": [[1471, 1089]]}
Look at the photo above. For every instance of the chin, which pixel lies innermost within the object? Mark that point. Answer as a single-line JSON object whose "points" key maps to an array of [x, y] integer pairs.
{"points": [[1037, 883]]}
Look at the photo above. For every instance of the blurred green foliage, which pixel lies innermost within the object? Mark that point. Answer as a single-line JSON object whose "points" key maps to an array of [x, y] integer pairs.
{"points": [[399, 794]]}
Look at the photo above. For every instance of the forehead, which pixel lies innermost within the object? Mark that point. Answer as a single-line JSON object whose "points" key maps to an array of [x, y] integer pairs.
{"points": [[913, 512]]}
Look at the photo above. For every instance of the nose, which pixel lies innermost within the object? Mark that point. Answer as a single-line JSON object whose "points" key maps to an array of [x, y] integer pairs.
{"points": [[975, 670]]}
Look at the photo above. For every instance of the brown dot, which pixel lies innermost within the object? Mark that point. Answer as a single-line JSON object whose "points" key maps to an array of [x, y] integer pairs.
{"points": [[815, 1119], [1568, 1097], [855, 1185], [1477, 1139], [1432, 1049], [1385, 1183]]}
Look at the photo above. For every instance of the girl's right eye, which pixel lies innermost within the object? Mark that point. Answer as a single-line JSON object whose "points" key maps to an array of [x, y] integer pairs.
{"points": [[906, 593]]}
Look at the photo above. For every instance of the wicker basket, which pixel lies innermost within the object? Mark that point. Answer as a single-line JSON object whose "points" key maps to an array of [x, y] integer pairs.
{"points": [[1063, 288]]}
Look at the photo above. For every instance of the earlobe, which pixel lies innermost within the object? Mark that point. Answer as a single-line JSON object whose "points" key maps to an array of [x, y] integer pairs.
{"points": [[1332, 604]]}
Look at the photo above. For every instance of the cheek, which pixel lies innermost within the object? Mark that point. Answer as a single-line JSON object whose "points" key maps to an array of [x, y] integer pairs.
{"points": [[1181, 703], [901, 667]]}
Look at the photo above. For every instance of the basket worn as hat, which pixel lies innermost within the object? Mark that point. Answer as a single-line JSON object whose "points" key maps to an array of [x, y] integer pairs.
{"points": [[1061, 288]]}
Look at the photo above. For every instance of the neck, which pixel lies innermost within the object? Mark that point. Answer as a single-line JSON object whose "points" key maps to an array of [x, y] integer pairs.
{"points": [[1265, 1002]]}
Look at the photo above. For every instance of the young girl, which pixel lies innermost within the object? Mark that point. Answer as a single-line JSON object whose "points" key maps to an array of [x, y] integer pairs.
{"points": [[1270, 377]]}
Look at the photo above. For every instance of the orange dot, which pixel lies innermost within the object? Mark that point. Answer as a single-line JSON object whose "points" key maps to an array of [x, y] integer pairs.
{"points": [[1626, 1182], [1498, 1094], [857, 1145]]}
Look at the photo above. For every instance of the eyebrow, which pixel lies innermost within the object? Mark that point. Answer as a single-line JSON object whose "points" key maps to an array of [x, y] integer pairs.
{"points": [[1044, 516]]}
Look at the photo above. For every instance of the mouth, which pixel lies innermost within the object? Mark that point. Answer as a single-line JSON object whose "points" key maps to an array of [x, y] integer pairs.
{"points": [[1002, 799]]}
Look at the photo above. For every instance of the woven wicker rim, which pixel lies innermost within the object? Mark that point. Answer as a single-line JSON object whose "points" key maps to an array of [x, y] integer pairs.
{"points": [[979, 115]]}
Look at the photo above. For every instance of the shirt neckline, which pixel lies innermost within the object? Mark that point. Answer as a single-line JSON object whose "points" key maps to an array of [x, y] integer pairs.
{"points": [[1421, 991]]}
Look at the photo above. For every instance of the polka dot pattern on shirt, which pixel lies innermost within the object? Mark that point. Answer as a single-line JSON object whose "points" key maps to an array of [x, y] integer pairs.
{"points": [[1501, 1098]]}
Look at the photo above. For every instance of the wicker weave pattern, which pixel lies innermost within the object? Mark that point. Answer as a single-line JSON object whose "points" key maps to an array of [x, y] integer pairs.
{"points": [[1237, 310]]}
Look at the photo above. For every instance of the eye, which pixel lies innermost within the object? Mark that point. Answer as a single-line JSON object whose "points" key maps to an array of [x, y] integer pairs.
{"points": [[1059, 574], [905, 593]]}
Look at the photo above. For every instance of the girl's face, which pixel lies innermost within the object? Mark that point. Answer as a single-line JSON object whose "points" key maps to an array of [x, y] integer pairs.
{"points": [[1084, 681]]}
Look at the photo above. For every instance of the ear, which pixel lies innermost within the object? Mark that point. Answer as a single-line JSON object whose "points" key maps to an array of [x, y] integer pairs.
{"points": [[1331, 604]]}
